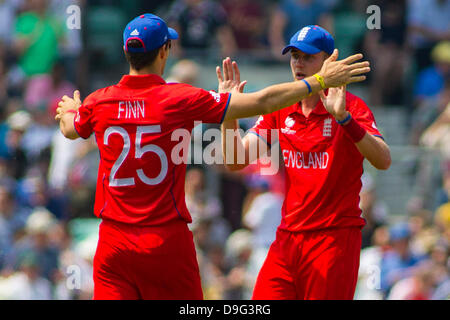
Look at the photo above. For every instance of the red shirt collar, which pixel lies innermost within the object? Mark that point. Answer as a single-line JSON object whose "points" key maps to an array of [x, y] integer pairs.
{"points": [[140, 80]]}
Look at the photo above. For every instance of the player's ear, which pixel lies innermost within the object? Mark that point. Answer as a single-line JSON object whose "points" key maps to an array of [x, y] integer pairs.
{"points": [[163, 53]]}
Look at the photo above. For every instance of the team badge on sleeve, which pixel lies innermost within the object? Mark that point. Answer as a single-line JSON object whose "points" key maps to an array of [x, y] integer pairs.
{"points": [[215, 95], [261, 118]]}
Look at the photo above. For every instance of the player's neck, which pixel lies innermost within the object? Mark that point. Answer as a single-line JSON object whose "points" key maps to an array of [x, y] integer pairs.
{"points": [[145, 71], [155, 68], [308, 104]]}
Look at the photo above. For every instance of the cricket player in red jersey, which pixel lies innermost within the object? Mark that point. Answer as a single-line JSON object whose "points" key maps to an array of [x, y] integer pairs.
{"points": [[145, 249], [324, 139]]}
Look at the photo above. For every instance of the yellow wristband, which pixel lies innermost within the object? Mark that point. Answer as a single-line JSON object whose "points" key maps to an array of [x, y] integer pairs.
{"points": [[320, 79]]}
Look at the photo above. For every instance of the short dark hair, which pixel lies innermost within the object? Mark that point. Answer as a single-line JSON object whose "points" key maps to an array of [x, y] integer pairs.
{"points": [[140, 60]]}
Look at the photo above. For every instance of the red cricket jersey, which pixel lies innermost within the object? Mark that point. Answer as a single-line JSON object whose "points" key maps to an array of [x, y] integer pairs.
{"points": [[323, 165], [142, 161]]}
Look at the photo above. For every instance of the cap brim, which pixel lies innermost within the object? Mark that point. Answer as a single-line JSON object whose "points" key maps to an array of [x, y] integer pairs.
{"points": [[173, 35], [306, 48]]}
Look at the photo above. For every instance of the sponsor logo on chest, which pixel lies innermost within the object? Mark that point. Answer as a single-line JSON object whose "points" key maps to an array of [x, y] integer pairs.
{"points": [[289, 124]]}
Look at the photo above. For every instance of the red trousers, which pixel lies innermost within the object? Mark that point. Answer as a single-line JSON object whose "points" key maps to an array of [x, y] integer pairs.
{"points": [[135, 262], [315, 265]]}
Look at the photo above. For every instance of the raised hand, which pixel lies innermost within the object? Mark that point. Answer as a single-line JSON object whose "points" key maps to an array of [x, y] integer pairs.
{"points": [[342, 72], [68, 103], [334, 102], [231, 79]]}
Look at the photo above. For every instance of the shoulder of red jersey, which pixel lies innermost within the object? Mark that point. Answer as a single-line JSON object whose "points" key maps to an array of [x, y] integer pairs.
{"points": [[95, 96], [360, 111], [355, 104], [181, 91]]}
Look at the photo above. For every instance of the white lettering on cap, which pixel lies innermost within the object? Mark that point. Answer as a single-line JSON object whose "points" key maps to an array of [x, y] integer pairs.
{"points": [[303, 33]]}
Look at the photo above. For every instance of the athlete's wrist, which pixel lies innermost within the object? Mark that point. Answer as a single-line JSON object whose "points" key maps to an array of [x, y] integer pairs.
{"points": [[314, 85], [354, 130], [342, 117]]}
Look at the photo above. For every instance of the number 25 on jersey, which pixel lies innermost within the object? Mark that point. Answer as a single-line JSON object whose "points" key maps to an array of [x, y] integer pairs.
{"points": [[139, 152]]}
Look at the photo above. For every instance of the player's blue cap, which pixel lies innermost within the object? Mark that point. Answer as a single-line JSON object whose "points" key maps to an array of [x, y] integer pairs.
{"points": [[150, 30], [311, 40]]}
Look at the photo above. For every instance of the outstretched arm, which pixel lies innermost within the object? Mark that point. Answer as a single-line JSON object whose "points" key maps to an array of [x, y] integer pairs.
{"points": [[273, 98], [235, 149]]}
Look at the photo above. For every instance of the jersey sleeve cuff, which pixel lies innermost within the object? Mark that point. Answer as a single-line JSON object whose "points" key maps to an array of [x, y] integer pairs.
{"points": [[76, 130], [379, 136]]}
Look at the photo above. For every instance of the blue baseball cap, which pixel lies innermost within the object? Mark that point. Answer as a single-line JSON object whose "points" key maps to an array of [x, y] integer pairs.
{"points": [[150, 30], [399, 231], [311, 40]]}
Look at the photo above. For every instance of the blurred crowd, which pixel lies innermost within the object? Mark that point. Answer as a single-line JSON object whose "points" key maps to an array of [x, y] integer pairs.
{"points": [[48, 234]]}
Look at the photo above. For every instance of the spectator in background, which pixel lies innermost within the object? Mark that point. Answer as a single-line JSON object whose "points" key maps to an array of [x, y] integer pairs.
{"points": [[18, 123], [386, 49], [213, 270], [205, 208], [62, 155], [418, 286], [8, 11], [45, 90], [262, 218], [37, 241], [76, 259], [431, 81], [431, 114], [71, 45], [4, 83], [26, 283], [428, 23], [369, 273], [36, 39], [419, 283], [232, 194], [81, 179], [373, 210], [435, 135], [184, 71], [291, 15], [248, 20], [443, 194], [442, 292], [399, 262], [442, 221], [12, 220], [13, 215], [198, 23], [37, 139], [238, 249]]}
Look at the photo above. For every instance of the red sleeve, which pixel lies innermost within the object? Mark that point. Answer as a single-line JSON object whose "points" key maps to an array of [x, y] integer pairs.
{"points": [[265, 128], [361, 113], [207, 106], [83, 119]]}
